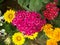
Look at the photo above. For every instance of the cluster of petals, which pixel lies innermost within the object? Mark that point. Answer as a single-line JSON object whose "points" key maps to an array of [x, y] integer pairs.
{"points": [[28, 22], [52, 33], [51, 11]]}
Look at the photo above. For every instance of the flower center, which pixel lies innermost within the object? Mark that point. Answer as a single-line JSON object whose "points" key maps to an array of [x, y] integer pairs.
{"points": [[10, 16], [18, 38]]}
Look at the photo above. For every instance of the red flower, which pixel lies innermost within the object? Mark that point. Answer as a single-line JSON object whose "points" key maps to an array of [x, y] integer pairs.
{"points": [[51, 11]]}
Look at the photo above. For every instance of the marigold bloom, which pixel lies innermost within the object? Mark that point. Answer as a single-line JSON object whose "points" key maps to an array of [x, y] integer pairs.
{"points": [[49, 33], [48, 30], [47, 26], [9, 15], [51, 42], [18, 38], [52, 33], [56, 34]]}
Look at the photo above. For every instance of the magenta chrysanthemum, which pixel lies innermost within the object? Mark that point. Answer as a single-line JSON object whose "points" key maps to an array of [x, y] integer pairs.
{"points": [[28, 22]]}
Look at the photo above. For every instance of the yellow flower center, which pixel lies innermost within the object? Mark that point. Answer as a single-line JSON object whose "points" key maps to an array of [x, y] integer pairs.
{"points": [[10, 16], [18, 38]]}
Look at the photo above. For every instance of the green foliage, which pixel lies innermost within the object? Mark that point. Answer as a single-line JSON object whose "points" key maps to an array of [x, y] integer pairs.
{"points": [[24, 4], [1, 4], [56, 21], [29, 5], [2, 43], [35, 5], [1, 1], [45, 1], [58, 2], [32, 5], [9, 28]]}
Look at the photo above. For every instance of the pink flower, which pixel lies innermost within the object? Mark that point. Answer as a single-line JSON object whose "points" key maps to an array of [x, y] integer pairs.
{"points": [[28, 22]]}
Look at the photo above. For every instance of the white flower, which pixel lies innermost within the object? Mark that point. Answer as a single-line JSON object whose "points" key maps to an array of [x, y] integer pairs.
{"points": [[3, 33], [1, 24], [1, 18], [7, 40], [2, 30]]}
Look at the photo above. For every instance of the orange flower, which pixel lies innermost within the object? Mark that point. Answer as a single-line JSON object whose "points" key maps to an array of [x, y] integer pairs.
{"points": [[51, 42]]}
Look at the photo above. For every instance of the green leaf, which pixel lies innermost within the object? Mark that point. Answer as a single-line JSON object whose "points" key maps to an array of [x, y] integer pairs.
{"points": [[35, 5], [45, 1], [27, 41], [56, 23], [32, 5], [40, 34], [20, 2], [6, 26], [10, 29], [24, 4]]}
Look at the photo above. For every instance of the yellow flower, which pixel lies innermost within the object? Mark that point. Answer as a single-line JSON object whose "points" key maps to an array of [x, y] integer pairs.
{"points": [[56, 34], [48, 30], [33, 36], [9, 15], [18, 38], [51, 42]]}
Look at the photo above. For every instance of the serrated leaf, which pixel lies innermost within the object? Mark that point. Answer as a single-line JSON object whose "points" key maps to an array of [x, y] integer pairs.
{"points": [[35, 5]]}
